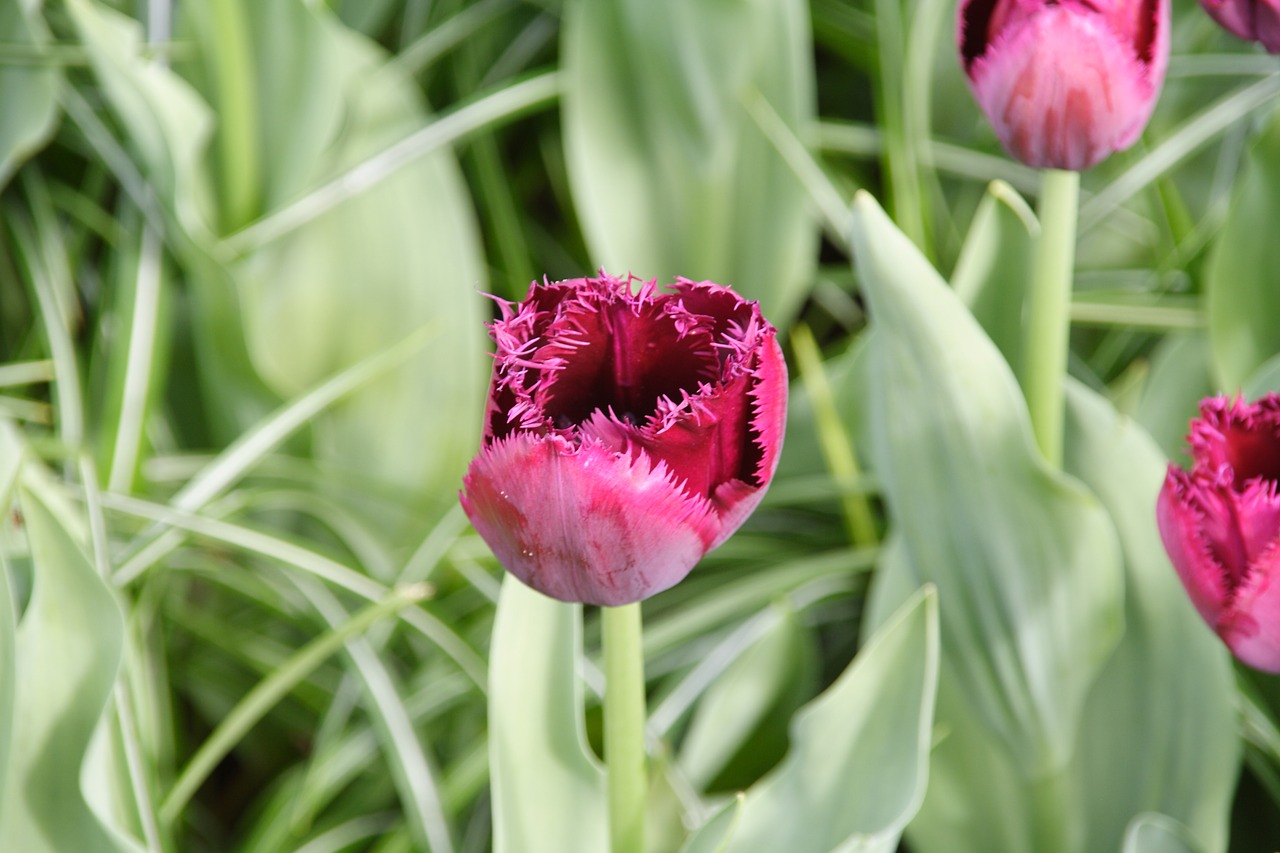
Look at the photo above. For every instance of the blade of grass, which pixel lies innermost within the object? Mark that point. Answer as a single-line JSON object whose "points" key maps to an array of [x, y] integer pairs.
{"points": [[249, 710]]}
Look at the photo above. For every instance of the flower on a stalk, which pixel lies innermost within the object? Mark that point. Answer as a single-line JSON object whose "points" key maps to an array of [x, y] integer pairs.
{"points": [[1220, 523], [628, 432], [1251, 20], [1065, 82]]}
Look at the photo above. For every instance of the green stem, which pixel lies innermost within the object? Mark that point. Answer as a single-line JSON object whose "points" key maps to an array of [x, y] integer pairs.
{"points": [[1048, 320], [1055, 828], [624, 714]]}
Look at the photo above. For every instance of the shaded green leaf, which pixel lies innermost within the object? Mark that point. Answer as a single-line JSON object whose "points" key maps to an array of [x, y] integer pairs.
{"points": [[1024, 558], [548, 790], [858, 765], [1241, 297], [28, 91], [669, 173], [1155, 833], [1179, 379]]}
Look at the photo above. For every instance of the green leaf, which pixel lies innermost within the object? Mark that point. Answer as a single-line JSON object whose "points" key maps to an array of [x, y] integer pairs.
{"points": [[1024, 558], [12, 451], [1155, 833], [1178, 381], [1166, 699], [858, 764], [28, 91], [994, 267], [669, 173], [372, 269], [68, 650], [1241, 297], [548, 790]]}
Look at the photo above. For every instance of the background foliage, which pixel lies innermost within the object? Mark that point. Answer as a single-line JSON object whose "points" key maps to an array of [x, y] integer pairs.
{"points": [[244, 247]]}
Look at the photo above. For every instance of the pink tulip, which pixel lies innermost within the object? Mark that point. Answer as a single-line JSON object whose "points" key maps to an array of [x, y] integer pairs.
{"points": [[1251, 20], [1066, 83], [629, 431], [1220, 523]]}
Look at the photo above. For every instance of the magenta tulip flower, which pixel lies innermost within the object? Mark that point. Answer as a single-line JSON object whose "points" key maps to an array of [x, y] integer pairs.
{"points": [[1220, 523], [1251, 20], [629, 431], [1065, 83]]}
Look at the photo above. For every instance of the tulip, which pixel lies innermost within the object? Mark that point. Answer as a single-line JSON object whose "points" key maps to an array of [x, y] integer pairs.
{"points": [[1251, 20], [1065, 83], [1220, 523], [628, 432]]}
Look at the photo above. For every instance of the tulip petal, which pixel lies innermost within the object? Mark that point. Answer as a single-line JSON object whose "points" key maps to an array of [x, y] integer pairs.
{"points": [[1181, 528], [1249, 625], [1062, 90], [585, 524]]}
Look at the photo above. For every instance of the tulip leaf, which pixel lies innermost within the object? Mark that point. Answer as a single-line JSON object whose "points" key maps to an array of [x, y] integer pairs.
{"points": [[1179, 379], [1155, 833], [548, 789], [28, 92], [670, 175], [11, 455], [1241, 297], [994, 267], [858, 764], [1024, 558], [1165, 700], [68, 648]]}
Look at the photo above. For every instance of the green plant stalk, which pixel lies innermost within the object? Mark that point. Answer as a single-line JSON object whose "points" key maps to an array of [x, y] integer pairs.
{"points": [[1055, 827], [1048, 314], [231, 58], [624, 715], [837, 450]]}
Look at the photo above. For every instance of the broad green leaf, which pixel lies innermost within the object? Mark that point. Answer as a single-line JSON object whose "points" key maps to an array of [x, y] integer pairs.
{"points": [[858, 764], [1166, 699], [68, 650], [714, 835], [1155, 833], [167, 123], [28, 91], [742, 717], [1242, 299], [12, 451], [371, 270], [1178, 381], [994, 267], [1024, 558], [670, 175], [1264, 380], [548, 790]]}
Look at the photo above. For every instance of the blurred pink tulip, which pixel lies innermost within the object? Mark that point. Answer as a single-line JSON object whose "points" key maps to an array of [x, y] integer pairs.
{"points": [[629, 431], [1066, 83], [1251, 20], [1220, 523]]}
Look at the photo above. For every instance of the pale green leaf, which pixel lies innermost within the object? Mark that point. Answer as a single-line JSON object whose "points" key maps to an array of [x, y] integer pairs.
{"points": [[1024, 558], [669, 173], [12, 451], [28, 91], [994, 267], [548, 790], [68, 650], [858, 765], [1155, 833], [1179, 379], [1242, 299]]}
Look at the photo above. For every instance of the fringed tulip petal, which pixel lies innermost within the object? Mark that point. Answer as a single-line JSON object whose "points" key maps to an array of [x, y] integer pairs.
{"points": [[629, 430], [1220, 523], [1065, 84]]}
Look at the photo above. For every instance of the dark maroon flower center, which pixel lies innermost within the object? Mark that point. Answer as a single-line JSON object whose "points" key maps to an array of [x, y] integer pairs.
{"points": [[621, 359], [1253, 453]]}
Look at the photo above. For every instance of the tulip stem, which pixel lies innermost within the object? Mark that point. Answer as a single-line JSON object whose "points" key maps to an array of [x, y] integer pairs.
{"points": [[1048, 310], [624, 716]]}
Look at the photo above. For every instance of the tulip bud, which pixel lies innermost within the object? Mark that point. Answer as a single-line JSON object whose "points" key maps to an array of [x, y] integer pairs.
{"points": [[1066, 83], [628, 432], [1251, 20], [1220, 523]]}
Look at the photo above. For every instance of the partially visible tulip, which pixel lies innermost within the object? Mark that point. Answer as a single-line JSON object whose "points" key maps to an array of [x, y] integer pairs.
{"points": [[1220, 523], [1065, 83], [628, 432], [1251, 20]]}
